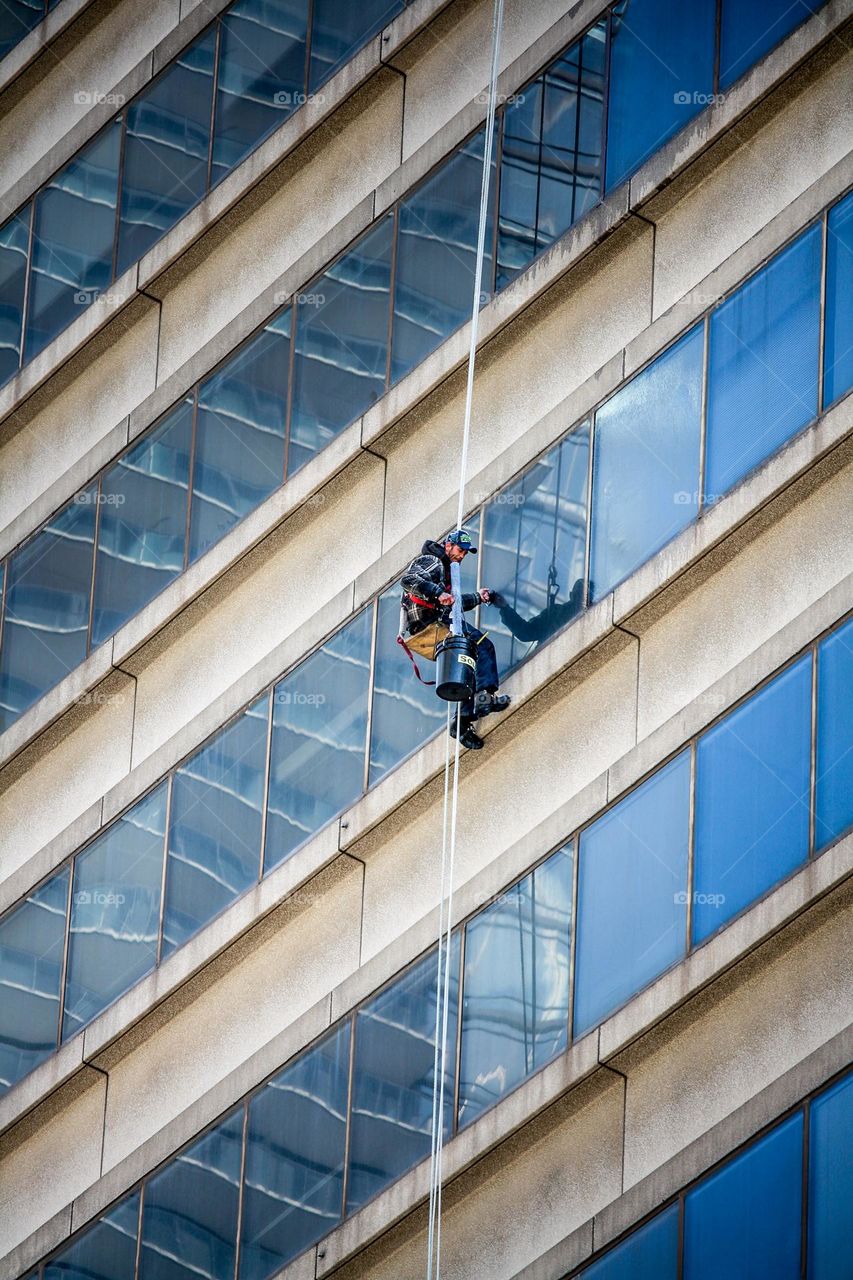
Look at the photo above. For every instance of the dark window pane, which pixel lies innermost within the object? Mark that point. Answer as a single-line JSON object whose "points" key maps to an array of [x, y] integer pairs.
{"points": [[648, 1254], [14, 246], [32, 938], [261, 75], [744, 1220], [165, 158], [752, 799], [73, 235], [515, 990], [834, 801], [762, 385], [106, 1251], [341, 344], [436, 252], [239, 449], [646, 466], [838, 343], [115, 911], [338, 31], [318, 739], [521, 157], [831, 1182], [393, 1077], [632, 894], [48, 588], [749, 30], [295, 1157], [143, 525], [189, 1218], [17, 17]]}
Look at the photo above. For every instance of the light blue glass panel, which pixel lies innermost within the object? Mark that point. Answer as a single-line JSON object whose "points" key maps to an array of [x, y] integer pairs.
{"points": [[838, 340], [339, 30], [105, 1251], [834, 801], [752, 799], [646, 463], [750, 28], [632, 894], [830, 1229], [763, 364], [651, 1253], [14, 247]]}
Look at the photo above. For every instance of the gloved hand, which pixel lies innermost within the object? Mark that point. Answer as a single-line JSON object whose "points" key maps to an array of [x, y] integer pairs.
{"points": [[492, 597]]}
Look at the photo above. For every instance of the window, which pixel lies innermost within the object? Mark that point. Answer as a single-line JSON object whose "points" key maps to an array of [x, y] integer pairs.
{"points": [[649, 1253], [17, 18], [14, 247], [830, 1185], [838, 343], [748, 31], [834, 798], [107, 1251], [337, 31]]}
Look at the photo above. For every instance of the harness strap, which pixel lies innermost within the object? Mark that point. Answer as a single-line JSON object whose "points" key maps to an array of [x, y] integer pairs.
{"points": [[411, 657]]}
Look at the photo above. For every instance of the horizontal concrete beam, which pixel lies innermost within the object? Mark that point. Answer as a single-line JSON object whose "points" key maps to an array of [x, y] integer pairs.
{"points": [[27, 55]]}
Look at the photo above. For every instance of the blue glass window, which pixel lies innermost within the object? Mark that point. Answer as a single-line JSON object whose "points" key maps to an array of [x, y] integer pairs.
{"points": [[17, 18], [337, 31], [214, 850], [748, 31], [393, 1076], [32, 940], [143, 522], [14, 247], [115, 911], [73, 235], [838, 341], [48, 588], [341, 344], [166, 150], [106, 1251], [239, 450], [318, 739], [744, 1220], [515, 990], [295, 1157], [650, 1253], [261, 75], [763, 363], [834, 798], [189, 1218], [752, 799], [646, 463], [632, 894], [661, 76], [830, 1182]]}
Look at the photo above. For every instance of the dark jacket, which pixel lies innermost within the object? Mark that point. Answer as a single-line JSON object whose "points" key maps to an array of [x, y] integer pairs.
{"points": [[428, 577]]}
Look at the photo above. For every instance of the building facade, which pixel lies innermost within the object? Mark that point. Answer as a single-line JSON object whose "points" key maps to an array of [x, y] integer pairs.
{"points": [[236, 275]]}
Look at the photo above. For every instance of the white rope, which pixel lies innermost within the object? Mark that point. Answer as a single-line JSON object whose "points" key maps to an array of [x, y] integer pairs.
{"points": [[448, 845]]}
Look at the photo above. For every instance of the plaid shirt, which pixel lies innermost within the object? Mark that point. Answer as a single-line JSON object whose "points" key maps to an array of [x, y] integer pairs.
{"points": [[428, 577]]}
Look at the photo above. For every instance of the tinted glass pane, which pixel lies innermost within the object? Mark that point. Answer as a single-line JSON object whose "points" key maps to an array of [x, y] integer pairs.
{"points": [[295, 1157], [632, 893], [752, 799], [261, 75], [143, 526], [831, 1183], [515, 991], [337, 31], [838, 341], [14, 241], [17, 17], [646, 466], [745, 1219], [648, 1254], [763, 363], [73, 236], [834, 802], [214, 851], [239, 449], [318, 739], [166, 150], [341, 344], [189, 1219], [748, 31], [107, 1251], [47, 607], [436, 251], [662, 56], [393, 1077], [521, 158], [32, 938], [115, 911]]}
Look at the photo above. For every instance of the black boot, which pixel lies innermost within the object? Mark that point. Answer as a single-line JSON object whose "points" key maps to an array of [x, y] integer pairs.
{"points": [[485, 702], [467, 736]]}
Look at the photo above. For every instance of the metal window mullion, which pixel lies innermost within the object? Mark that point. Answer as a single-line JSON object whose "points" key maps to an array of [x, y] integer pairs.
{"points": [[813, 754], [587, 559], [288, 411], [500, 125], [217, 45], [573, 936], [265, 793], [578, 108], [190, 477], [241, 1188], [66, 944], [168, 819], [691, 844], [95, 536], [3, 589], [457, 1049], [605, 99], [348, 1115], [309, 31], [821, 341], [703, 413], [371, 681], [392, 279], [137, 1259], [718, 43], [25, 301], [122, 150]]}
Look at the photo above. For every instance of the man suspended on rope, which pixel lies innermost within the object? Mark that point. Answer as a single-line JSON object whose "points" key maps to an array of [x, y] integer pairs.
{"points": [[425, 622]]}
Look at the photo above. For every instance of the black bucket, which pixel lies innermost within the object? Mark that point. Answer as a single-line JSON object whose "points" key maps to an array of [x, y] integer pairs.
{"points": [[456, 669]]}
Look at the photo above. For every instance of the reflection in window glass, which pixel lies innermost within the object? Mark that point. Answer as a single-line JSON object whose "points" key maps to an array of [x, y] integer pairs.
{"points": [[337, 31], [651, 1253], [239, 448], [32, 940], [318, 738], [748, 31], [830, 1192], [17, 17], [752, 799], [14, 245], [632, 893], [763, 363], [143, 522], [646, 464], [106, 1251], [834, 789], [393, 1077], [515, 991], [838, 341], [214, 850], [295, 1157], [115, 911]]}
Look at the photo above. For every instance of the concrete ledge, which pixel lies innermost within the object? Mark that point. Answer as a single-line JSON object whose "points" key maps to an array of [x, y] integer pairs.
{"points": [[28, 52]]}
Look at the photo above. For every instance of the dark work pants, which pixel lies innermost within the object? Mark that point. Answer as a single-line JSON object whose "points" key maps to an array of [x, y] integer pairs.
{"points": [[487, 665]]}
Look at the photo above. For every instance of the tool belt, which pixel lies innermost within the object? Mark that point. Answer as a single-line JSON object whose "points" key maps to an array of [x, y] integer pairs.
{"points": [[426, 641]]}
